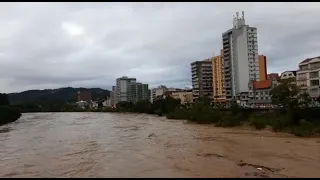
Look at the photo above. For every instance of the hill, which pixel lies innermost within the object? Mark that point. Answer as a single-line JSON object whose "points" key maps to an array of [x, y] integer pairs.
{"points": [[62, 94]]}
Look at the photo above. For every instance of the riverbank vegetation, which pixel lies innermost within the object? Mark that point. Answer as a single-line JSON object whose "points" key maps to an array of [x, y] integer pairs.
{"points": [[296, 116], [7, 113]]}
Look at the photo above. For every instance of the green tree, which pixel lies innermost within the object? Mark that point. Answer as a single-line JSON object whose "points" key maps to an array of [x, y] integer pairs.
{"points": [[304, 100], [285, 93], [143, 106]]}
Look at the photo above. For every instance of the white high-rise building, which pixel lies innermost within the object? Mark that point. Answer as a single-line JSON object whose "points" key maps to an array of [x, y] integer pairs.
{"points": [[122, 88], [129, 90], [241, 64]]}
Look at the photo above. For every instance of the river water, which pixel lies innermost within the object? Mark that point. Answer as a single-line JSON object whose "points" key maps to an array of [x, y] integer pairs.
{"points": [[140, 145]]}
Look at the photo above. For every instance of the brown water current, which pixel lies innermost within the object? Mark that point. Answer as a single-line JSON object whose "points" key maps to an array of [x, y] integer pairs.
{"points": [[140, 145]]}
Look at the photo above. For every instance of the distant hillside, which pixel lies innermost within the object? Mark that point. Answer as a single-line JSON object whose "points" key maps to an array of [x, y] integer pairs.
{"points": [[62, 94]]}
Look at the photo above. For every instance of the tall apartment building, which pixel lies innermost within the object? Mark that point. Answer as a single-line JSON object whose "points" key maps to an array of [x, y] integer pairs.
{"points": [[262, 67], [122, 90], [217, 79], [113, 96], [308, 76], [128, 89], [240, 54], [137, 92], [202, 79]]}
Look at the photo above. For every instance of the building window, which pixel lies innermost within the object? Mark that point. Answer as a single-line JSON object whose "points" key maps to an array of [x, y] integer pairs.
{"points": [[314, 82], [314, 74]]}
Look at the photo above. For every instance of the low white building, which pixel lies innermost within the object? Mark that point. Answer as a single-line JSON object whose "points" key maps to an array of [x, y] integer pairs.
{"points": [[159, 91], [107, 103], [82, 104], [288, 74]]}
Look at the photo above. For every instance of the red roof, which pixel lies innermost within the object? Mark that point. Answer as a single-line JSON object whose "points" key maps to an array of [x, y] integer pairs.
{"points": [[309, 59], [263, 84]]}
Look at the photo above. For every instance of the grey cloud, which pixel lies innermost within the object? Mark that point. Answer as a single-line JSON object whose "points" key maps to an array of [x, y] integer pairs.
{"points": [[154, 42]]}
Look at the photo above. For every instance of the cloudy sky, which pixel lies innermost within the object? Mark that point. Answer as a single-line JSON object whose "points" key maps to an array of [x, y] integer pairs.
{"points": [[51, 45]]}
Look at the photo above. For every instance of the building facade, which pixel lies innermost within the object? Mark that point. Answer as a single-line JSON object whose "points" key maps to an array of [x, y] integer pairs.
{"points": [[288, 74], [129, 90], [113, 96], [273, 75], [201, 79], [240, 54], [262, 67], [159, 91], [218, 79], [122, 88], [259, 92], [308, 76], [137, 92], [186, 97]]}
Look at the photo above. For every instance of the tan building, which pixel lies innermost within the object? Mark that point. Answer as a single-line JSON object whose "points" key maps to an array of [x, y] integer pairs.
{"points": [[217, 79], [262, 68], [184, 96]]}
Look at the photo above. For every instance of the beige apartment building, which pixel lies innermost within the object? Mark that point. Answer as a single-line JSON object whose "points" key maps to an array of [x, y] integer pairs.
{"points": [[186, 97], [308, 76], [217, 79]]}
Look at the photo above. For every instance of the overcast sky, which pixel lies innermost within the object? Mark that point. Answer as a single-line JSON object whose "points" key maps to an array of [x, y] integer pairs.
{"points": [[52, 45]]}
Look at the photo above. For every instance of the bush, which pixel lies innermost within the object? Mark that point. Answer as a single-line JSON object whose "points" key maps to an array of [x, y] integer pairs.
{"points": [[279, 123], [179, 113], [230, 121], [259, 122], [8, 114], [305, 129]]}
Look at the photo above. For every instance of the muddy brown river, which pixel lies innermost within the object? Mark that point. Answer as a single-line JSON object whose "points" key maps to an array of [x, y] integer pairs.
{"points": [[140, 145]]}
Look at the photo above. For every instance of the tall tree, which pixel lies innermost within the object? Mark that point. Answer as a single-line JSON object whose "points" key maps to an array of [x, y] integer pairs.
{"points": [[285, 93]]}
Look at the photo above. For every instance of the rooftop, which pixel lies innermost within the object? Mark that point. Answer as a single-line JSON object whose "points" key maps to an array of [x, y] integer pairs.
{"points": [[263, 84], [309, 59]]}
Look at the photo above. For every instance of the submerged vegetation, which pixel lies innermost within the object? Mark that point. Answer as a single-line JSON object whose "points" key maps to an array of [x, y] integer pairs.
{"points": [[7, 113]]}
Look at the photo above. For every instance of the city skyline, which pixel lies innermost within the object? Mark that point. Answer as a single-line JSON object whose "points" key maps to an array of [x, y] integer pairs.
{"points": [[91, 44]]}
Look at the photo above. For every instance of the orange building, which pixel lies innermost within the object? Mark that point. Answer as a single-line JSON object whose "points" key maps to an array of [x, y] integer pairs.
{"points": [[217, 79], [262, 67]]}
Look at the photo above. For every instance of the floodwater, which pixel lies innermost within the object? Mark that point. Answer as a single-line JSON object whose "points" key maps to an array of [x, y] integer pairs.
{"points": [[140, 145]]}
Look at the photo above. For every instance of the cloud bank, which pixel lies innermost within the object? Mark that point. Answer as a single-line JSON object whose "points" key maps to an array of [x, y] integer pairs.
{"points": [[52, 45]]}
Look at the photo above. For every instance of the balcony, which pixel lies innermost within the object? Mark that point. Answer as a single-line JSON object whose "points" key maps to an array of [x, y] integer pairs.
{"points": [[302, 78]]}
